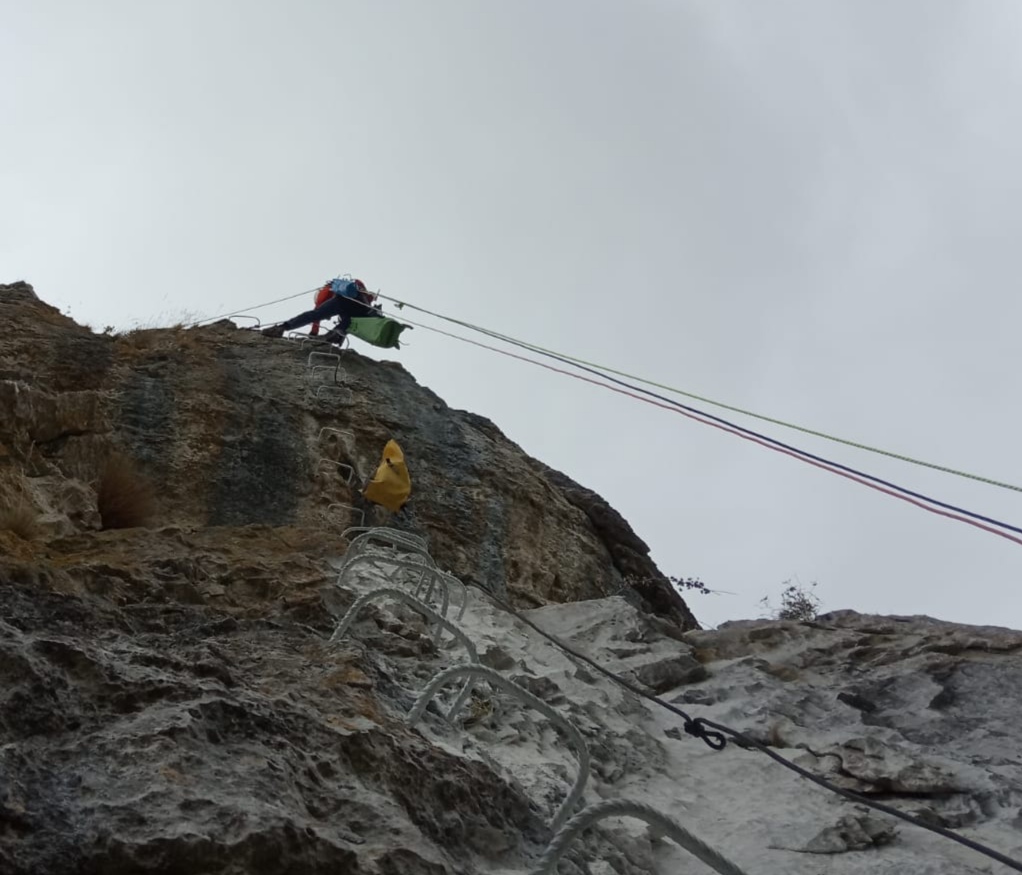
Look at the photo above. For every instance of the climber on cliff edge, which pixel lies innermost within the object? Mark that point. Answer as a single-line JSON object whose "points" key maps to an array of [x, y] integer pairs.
{"points": [[342, 297]]}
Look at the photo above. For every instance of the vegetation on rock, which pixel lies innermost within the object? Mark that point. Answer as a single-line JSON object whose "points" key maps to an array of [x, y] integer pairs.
{"points": [[124, 496]]}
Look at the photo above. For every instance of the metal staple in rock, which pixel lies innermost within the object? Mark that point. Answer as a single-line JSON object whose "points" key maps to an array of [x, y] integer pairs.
{"points": [[435, 575], [343, 394], [317, 341], [628, 808], [431, 571], [421, 541], [354, 510], [395, 539], [449, 579], [315, 356], [375, 559], [326, 369], [497, 679], [338, 467], [363, 550], [429, 613], [358, 550], [343, 434], [426, 570]]}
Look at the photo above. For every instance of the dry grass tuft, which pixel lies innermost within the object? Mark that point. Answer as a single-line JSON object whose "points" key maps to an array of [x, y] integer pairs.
{"points": [[20, 518], [124, 497], [170, 340], [704, 654], [365, 704], [775, 735], [781, 672]]}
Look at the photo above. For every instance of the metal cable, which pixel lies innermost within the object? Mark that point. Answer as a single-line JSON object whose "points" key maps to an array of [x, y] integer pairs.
{"points": [[628, 808], [699, 727], [606, 370], [895, 491], [253, 307]]}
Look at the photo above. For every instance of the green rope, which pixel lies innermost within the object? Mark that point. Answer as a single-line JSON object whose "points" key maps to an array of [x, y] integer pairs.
{"points": [[530, 346]]}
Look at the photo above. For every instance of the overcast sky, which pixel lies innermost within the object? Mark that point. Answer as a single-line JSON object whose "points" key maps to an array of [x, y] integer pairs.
{"points": [[809, 209]]}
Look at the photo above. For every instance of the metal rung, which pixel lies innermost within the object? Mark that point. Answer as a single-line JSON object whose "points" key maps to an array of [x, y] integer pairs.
{"points": [[422, 608], [388, 535], [658, 822], [338, 373], [323, 355], [419, 541], [349, 478], [354, 510], [472, 672], [258, 324], [341, 394], [342, 436], [314, 341]]}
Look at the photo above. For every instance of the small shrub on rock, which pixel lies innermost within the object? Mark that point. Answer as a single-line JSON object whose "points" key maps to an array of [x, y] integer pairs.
{"points": [[679, 583], [798, 602], [124, 496], [21, 518]]}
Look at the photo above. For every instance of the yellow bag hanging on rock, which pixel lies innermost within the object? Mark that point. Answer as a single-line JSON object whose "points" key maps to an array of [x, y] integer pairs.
{"points": [[391, 485]]}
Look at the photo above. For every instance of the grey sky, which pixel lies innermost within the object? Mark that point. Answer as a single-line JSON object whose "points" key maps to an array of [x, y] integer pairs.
{"points": [[810, 209]]}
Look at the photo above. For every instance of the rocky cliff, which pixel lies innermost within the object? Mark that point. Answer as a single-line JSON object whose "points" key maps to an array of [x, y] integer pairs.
{"points": [[228, 427], [172, 701]]}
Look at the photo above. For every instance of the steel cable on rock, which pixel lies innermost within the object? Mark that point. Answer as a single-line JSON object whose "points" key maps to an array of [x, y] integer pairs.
{"points": [[697, 727], [628, 808], [471, 671], [714, 734], [700, 727]]}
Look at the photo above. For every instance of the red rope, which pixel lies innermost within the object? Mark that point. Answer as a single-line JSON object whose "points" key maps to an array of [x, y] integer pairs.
{"points": [[724, 428]]}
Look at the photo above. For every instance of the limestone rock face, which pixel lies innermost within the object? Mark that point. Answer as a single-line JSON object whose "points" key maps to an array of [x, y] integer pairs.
{"points": [[228, 427], [172, 700]]}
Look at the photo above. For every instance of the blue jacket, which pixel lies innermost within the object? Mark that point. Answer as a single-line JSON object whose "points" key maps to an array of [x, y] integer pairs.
{"points": [[344, 288]]}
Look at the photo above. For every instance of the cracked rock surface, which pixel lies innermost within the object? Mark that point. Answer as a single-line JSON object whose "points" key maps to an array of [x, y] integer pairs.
{"points": [[227, 427], [171, 701]]}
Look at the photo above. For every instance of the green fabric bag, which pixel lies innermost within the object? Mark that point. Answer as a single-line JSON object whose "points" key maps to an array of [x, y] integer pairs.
{"points": [[377, 330]]}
